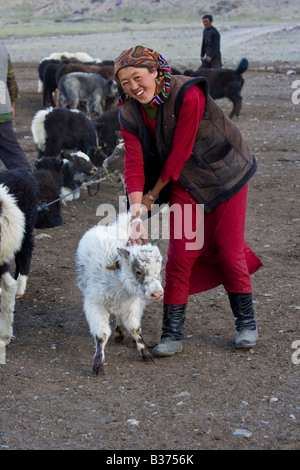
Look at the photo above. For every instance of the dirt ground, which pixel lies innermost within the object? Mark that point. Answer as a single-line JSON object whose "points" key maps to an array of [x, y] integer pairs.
{"points": [[210, 396]]}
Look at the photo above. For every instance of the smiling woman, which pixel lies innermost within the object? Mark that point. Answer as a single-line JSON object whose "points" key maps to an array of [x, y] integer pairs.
{"points": [[181, 148], [140, 57], [138, 83]]}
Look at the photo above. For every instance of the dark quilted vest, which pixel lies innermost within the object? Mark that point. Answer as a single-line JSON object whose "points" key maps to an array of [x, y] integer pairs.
{"points": [[221, 162]]}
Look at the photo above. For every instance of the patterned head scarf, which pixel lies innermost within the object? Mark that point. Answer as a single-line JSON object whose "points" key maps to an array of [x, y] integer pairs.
{"points": [[140, 56]]}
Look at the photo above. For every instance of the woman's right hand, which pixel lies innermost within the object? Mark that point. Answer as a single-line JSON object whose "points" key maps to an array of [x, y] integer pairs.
{"points": [[137, 235]]}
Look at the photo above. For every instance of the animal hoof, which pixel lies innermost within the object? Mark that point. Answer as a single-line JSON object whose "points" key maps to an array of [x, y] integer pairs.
{"points": [[98, 369], [147, 356], [98, 366]]}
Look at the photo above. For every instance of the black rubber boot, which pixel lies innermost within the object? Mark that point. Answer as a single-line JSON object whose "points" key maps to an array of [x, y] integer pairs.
{"points": [[171, 338], [245, 324]]}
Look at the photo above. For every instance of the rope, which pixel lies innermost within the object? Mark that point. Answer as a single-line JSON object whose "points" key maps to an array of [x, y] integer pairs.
{"points": [[43, 206]]}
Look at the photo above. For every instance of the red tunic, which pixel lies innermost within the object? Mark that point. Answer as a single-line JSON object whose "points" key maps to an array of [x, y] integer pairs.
{"points": [[225, 257], [188, 122]]}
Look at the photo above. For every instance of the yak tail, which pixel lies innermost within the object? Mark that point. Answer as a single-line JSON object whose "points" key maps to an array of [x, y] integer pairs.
{"points": [[242, 67], [38, 128]]}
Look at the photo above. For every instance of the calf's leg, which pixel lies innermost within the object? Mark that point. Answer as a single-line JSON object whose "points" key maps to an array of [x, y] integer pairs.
{"points": [[98, 365], [237, 106], [132, 323], [7, 306], [141, 345], [98, 319], [23, 261]]}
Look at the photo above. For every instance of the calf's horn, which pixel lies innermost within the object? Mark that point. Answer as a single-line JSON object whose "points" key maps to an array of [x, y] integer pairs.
{"points": [[114, 266]]}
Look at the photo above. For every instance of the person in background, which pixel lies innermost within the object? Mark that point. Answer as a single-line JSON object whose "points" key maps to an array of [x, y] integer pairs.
{"points": [[181, 148], [210, 50], [11, 153]]}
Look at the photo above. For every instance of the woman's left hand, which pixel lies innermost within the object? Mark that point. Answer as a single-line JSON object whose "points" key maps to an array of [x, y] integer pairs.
{"points": [[147, 202]]}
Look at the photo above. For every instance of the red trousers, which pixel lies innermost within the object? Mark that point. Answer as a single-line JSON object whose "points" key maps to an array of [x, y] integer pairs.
{"points": [[224, 258]]}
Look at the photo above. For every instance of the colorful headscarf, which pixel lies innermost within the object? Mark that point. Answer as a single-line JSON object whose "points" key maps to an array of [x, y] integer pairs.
{"points": [[140, 56]]}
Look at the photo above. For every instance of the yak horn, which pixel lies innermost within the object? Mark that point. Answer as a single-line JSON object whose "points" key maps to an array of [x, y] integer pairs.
{"points": [[114, 266]]}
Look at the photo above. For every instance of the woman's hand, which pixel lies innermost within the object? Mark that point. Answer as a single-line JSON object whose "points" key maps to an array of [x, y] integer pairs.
{"points": [[148, 200], [13, 109], [138, 233]]}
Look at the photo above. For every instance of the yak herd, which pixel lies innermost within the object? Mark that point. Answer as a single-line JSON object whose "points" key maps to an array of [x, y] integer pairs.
{"points": [[77, 135]]}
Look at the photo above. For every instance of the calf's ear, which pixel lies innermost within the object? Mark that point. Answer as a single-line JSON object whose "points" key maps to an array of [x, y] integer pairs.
{"points": [[123, 252]]}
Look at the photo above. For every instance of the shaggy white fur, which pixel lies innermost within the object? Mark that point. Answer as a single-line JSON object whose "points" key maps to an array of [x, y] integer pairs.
{"points": [[38, 128], [122, 292], [12, 226]]}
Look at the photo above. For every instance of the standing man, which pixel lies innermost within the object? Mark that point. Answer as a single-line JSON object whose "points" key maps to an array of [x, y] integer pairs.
{"points": [[210, 50], [10, 151]]}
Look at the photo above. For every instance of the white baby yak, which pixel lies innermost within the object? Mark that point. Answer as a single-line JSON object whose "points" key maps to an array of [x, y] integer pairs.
{"points": [[119, 280]]}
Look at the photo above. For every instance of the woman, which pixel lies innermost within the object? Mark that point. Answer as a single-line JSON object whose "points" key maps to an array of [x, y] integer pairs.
{"points": [[180, 147], [11, 153]]}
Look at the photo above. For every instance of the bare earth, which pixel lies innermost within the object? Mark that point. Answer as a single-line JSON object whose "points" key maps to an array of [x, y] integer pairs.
{"points": [[202, 398]]}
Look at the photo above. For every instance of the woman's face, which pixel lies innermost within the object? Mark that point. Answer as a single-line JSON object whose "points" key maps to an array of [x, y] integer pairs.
{"points": [[138, 82]]}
